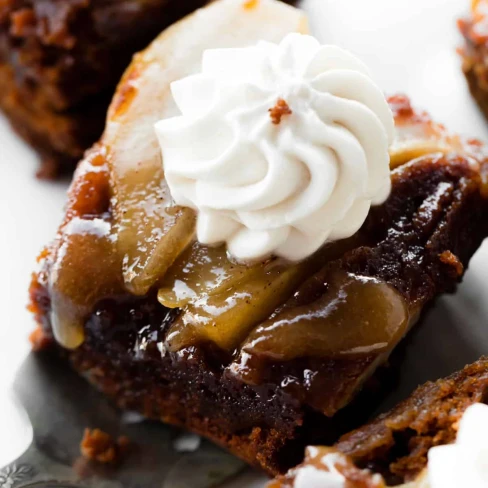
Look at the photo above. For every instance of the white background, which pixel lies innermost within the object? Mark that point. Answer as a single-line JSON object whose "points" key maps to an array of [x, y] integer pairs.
{"points": [[410, 48]]}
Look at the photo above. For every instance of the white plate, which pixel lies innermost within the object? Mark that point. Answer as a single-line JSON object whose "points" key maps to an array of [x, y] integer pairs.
{"points": [[410, 48]]}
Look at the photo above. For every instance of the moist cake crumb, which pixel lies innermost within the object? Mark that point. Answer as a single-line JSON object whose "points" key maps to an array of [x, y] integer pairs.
{"points": [[101, 447]]}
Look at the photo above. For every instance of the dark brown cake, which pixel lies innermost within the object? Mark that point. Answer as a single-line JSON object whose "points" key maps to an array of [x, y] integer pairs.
{"points": [[474, 52], [396, 443], [61, 60], [264, 405]]}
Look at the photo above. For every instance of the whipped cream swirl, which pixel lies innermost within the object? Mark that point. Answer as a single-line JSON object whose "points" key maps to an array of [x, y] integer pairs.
{"points": [[464, 463], [279, 148]]}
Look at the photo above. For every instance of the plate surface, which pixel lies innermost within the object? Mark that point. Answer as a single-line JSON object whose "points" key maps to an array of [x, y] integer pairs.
{"points": [[410, 47]]}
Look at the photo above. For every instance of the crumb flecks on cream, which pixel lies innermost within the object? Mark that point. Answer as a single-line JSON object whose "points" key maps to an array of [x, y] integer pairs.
{"points": [[283, 184], [464, 463]]}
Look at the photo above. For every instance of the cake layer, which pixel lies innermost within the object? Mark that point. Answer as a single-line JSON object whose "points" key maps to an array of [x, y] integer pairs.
{"points": [[397, 442]]}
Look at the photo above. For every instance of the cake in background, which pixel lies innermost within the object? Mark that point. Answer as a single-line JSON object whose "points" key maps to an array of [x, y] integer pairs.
{"points": [[474, 52], [60, 62]]}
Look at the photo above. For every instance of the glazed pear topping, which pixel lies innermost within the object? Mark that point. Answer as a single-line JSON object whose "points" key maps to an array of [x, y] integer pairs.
{"points": [[355, 316], [152, 232], [201, 271], [226, 318], [224, 301], [86, 266]]}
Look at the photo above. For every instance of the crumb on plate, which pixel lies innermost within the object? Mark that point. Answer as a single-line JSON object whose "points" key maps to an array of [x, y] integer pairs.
{"points": [[101, 447]]}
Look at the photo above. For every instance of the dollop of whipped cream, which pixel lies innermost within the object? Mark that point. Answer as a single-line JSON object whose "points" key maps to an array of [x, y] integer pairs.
{"points": [[464, 463], [279, 148], [327, 472], [330, 477]]}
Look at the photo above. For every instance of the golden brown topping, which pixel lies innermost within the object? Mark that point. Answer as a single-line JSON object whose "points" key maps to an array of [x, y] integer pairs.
{"points": [[353, 316], [99, 446], [279, 110], [447, 257]]}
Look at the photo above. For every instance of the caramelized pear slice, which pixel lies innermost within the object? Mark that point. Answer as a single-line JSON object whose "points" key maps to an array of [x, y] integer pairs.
{"points": [[201, 271], [151, 232], [226, 318], [355, 316]]}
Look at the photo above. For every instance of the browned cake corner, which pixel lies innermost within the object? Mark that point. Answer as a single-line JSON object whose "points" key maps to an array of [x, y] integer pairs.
{"points": [[60, 63], [392, 449], [263, 407], [397, 442], [474, 51]]}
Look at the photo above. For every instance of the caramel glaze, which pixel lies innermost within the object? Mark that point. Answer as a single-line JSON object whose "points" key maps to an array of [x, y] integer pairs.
{"points": [[342, 311]]}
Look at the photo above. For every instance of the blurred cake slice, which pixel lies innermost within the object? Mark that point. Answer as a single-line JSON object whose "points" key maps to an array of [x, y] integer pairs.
{"points": [[397, 446], [60, 62]]}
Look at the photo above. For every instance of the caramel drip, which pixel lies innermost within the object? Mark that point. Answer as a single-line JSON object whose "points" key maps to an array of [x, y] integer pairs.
{"points": [[87, 247]]}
